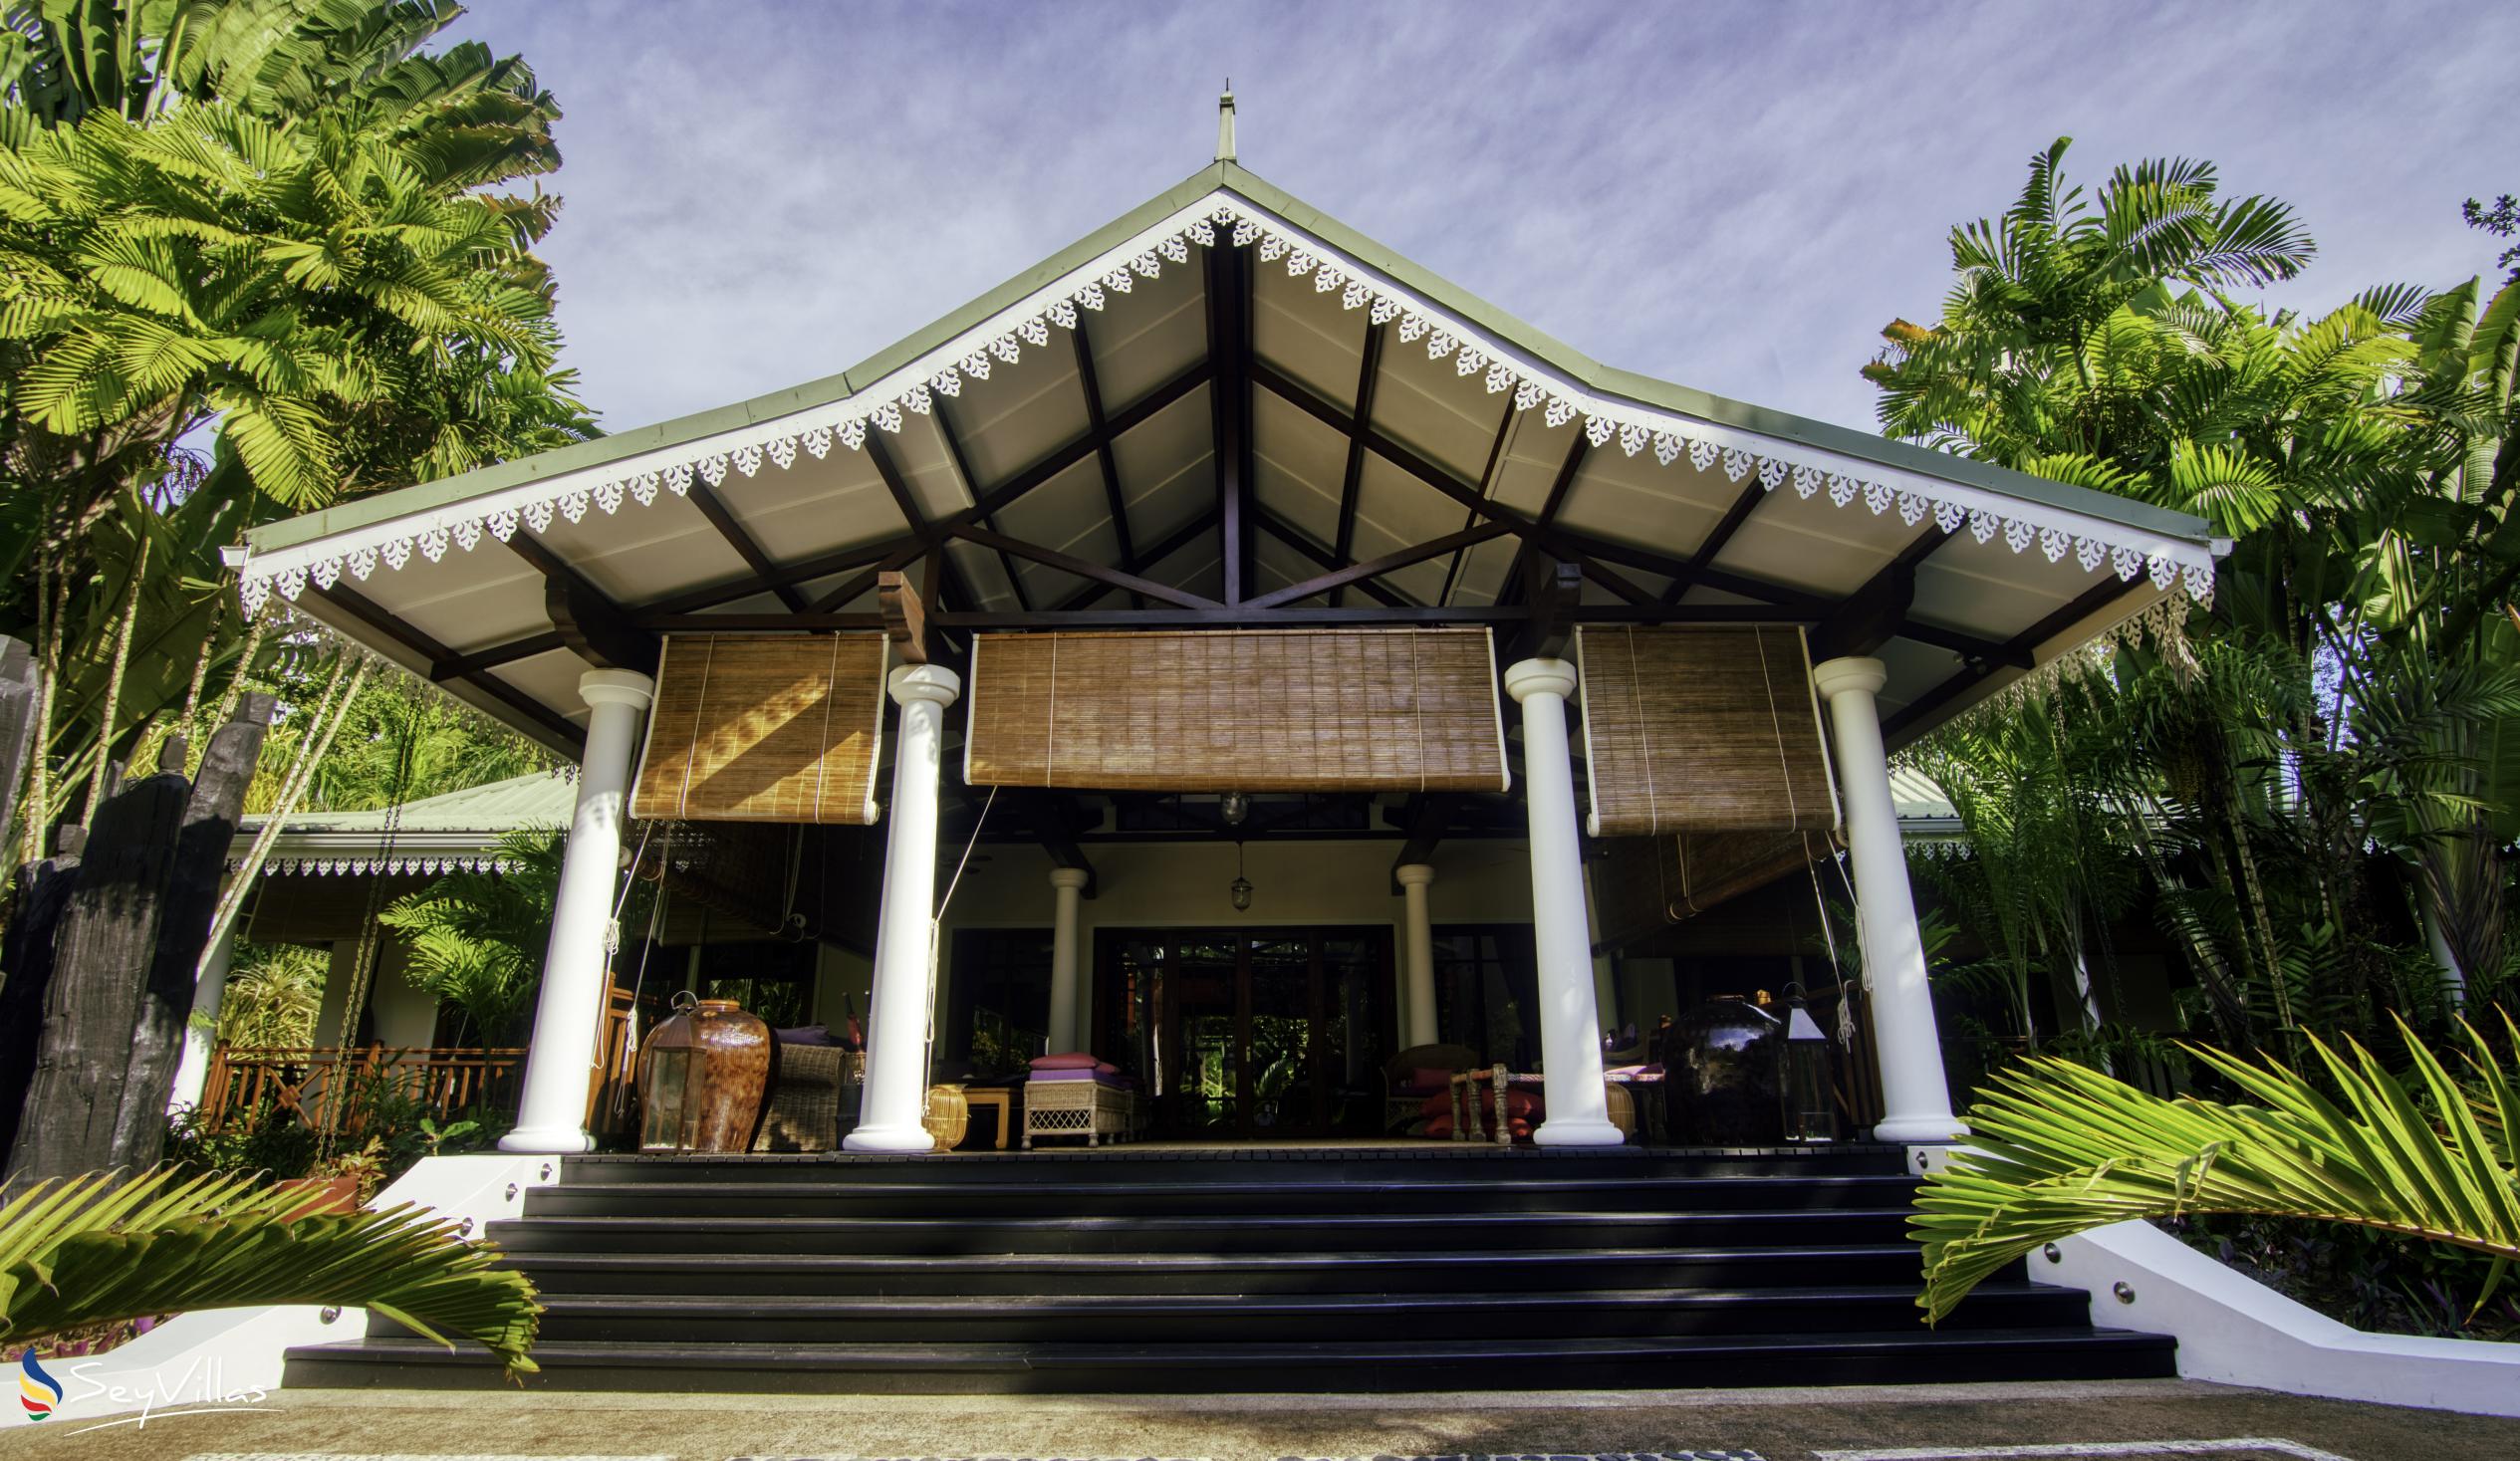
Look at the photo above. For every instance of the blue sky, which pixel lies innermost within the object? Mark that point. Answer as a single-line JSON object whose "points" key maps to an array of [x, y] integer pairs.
{"points": [[1735, 196]]}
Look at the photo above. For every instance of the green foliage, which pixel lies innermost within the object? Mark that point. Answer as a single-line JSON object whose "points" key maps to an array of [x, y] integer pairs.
{"points": [[278, 219], [2352, 684], [2057, 1148], [98, 1248], [477, 939], [274, 992]]}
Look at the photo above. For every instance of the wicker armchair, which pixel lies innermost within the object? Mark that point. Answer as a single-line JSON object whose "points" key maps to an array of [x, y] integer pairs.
{"points": [[1400, 1110], [813, 1096]]}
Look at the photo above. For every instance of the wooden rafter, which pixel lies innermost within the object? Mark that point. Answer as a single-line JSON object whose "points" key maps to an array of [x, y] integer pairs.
{"points": [[1716, 536], [393, 627], [1294, 537], [1487, 488], [1081, 568], [1164, 546], [926, 531], [1352, 476], [1242, 615], [1230, 347], [2020, 652], [962, 473], [722, 518], [1112, 494], [1359, 571]]}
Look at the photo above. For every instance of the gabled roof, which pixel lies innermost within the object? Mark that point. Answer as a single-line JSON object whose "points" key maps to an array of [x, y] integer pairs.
{"points": [[1069, 421]]}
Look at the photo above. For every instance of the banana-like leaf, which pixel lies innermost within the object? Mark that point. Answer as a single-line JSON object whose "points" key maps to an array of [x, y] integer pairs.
{"points": [[102, 1247], [2058, 1149]]}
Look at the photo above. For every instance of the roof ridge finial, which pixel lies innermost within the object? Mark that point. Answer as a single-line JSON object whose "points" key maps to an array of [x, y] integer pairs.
{"points": [[1225, 124]]}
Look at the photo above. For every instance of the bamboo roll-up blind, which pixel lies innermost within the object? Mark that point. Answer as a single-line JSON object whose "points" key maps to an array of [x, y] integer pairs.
{"points": [[1644, 884], [1252, 710], [1702, 728], [764, 728]]}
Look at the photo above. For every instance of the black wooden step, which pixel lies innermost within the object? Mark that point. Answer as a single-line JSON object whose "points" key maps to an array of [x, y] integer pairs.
{"points": [[1414, 1161], [1282, 1319], [981, 1231], [1417, 1272], [1143, 1195], [1464, 1363]]}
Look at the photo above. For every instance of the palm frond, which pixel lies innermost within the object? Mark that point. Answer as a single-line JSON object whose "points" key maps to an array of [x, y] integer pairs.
{"points": [[98, 1248], [2059, 1149]]}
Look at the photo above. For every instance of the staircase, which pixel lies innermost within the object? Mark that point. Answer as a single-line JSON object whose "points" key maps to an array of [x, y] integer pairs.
{"points": [[1280, 1270]]}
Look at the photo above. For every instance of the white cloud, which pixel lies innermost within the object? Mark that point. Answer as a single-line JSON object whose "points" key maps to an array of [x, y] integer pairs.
{"points": [[1735, 197]]}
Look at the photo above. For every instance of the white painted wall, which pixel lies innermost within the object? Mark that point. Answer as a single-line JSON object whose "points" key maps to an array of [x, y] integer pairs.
{"points": [[2235, 1330]]}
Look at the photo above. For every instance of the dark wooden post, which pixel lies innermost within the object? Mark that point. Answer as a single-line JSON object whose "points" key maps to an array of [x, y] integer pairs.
{"points": [[106, 940], [210, 816]]}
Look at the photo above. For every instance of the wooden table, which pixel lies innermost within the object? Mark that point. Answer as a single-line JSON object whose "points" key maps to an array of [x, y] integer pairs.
{"points": [[1000, 1099]]}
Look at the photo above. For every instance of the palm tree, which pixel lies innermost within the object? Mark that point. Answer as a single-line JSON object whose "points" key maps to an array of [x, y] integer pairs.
{"points": [[311, 250], [2345, 687], [98, 1248]]}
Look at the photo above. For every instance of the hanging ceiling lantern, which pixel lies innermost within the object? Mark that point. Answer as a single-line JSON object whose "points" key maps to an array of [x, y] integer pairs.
{"points": [[1235, 807], [1241, 886], [701, 1076]]}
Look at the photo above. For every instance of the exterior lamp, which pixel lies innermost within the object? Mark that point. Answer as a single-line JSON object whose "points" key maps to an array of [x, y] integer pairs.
{"points": [[1235, 807], [1811, 1112], [1241, 887]]}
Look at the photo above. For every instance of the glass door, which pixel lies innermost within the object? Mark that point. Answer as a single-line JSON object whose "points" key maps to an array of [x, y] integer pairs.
{"points": [[1252, 1035]]}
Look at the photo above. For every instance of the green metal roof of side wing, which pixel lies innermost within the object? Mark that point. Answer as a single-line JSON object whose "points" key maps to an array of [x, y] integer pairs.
{"points": [[1229, 177]]}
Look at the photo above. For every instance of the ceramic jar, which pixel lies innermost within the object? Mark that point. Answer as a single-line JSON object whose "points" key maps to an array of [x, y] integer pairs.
{"points": [[702, 1075]]}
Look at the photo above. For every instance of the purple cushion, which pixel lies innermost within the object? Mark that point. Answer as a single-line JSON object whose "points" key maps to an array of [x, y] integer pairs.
{"points": [[805, 1035], [1072, 1060], [1064, 1074]]}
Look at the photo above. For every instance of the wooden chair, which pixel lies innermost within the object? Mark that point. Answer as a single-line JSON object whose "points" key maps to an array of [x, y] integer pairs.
{"points": [[1398, 1110]]}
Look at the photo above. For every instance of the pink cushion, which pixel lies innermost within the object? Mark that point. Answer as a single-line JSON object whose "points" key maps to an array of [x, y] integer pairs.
{"points": [[1073, 1061], [1106, 1067]]}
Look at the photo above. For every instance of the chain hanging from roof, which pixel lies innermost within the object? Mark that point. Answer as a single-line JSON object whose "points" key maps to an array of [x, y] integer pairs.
{"points": [[1222, 218]]}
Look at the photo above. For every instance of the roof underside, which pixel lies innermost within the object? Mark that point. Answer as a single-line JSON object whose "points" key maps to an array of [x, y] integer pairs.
{"points": [[1162, 420]]}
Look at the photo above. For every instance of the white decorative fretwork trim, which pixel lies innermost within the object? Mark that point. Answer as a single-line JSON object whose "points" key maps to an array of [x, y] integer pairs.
{"points": [[427, 864], [1225, 218]]}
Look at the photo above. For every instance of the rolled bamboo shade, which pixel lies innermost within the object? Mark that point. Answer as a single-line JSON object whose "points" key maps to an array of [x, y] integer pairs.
{"points": [[1644, 884], [764, 728], [1702, 728], [1252, 710]]}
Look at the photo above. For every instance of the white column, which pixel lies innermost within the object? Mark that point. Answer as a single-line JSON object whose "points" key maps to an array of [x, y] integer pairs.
{"points": [[201, 1031], [1918, 1101], [905, 926], [552, 1115], [1068, 883], [1570, 1025], [1420, 1007]]}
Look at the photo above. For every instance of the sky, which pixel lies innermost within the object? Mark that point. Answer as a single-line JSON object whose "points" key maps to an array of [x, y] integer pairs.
{"points": [[1735, 196]]}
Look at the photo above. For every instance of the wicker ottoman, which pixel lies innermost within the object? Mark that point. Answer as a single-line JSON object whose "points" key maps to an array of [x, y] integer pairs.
{"points": [[1086, 1109]]}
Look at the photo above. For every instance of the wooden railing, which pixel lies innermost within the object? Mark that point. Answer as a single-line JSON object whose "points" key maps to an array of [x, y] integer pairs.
{"points": [[309, 1082]]}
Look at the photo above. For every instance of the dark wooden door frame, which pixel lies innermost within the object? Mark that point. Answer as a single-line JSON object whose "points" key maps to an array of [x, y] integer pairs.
{"points": [[1111, 1016]]}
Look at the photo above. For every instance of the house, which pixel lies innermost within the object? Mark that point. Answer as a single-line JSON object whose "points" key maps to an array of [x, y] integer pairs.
{"points": [[1231, 651]]}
